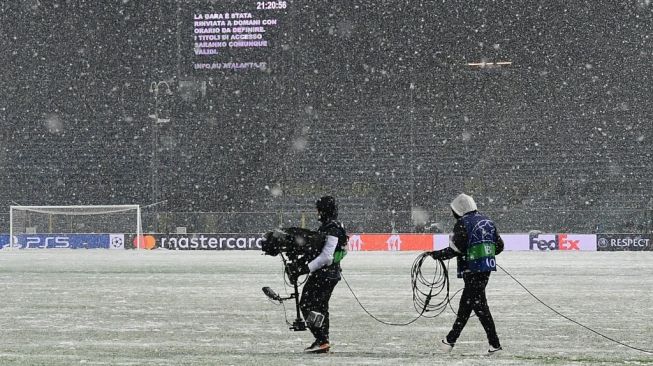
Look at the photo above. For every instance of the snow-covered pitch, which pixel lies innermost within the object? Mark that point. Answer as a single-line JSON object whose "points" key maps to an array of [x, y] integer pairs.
{"points": [[104, 307]]}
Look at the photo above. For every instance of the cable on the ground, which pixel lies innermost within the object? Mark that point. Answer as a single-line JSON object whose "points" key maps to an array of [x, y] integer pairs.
{"points": [[572, 320], [424, 291]]}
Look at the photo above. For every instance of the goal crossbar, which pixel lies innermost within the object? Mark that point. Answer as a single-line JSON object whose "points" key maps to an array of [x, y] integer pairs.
{"points": [[70, 210]]}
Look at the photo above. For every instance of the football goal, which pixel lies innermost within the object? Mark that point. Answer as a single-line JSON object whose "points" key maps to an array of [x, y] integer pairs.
{"points": [[40, 220]]}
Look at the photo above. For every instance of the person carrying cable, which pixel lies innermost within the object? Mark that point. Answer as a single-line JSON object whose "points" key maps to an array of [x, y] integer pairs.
{"points": [[324, 274], [475, 243]]}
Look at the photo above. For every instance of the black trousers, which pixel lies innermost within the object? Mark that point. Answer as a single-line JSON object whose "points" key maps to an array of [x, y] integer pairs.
{"points": [[315, 297], [473, 298]]}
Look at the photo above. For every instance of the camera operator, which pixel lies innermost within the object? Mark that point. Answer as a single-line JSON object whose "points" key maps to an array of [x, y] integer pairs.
{"points": [[324, 274]]}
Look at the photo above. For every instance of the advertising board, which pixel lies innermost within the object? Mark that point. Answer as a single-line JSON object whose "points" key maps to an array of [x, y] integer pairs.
{"points": [[64, 241], [624, 242]]}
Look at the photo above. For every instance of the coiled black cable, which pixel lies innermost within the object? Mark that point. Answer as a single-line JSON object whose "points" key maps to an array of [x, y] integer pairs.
{"points": [[425, 290]]}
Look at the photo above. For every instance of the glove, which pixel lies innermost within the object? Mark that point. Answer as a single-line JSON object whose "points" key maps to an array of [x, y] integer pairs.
{"points": [[436, 254], [296, 269], [499, 246]]}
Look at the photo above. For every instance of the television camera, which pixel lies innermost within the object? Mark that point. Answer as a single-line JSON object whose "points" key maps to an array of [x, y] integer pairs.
{"points": [[292, 244]]}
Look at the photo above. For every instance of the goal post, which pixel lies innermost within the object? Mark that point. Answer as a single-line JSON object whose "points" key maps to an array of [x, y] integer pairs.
{"points": [[81, 219]]}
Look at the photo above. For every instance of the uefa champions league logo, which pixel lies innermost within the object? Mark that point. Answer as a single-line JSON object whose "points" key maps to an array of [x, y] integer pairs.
{"points": [[116, 241], [483, 229]]}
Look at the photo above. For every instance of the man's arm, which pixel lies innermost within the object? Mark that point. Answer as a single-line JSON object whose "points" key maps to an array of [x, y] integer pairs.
{"points": [[326, 255], [457, 245], [499, 245], [459, 239], [444, 254]]}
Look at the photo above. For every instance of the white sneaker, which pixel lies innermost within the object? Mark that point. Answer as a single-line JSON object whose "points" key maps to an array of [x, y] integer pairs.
{"points": [[445, 346], [493, 350]]}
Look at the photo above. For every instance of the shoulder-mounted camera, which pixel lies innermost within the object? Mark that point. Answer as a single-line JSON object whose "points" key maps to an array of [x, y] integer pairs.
{"points": [[294, 242]]}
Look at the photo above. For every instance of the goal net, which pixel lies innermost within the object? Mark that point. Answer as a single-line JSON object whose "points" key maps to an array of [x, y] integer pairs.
{"points": [[37, 224]]}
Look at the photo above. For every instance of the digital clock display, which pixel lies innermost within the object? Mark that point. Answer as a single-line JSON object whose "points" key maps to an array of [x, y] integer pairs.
{"points": [[265, 5]]}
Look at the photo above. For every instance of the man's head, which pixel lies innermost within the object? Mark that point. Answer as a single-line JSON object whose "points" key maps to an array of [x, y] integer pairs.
{"points": [[326, 209], [462, 204]]}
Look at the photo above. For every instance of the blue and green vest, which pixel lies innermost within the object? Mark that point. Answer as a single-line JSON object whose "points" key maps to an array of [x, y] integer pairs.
{"points": [[481, 244]]}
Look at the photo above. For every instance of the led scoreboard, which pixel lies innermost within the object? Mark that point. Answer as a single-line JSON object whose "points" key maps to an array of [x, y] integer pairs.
{"points": [[232, 35]]}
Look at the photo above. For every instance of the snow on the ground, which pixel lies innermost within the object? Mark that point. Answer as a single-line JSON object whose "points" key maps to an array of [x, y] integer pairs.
{"points": [[103, 307]]}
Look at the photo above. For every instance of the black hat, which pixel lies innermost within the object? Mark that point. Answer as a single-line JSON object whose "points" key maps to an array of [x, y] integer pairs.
{"points": [[327, 208]]}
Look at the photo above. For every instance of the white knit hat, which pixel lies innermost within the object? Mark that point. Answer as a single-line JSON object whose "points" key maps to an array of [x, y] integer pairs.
{"points": [[463, 204]]}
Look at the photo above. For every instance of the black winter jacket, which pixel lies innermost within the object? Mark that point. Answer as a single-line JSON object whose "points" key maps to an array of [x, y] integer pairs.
{"points": [[460, 242]]}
